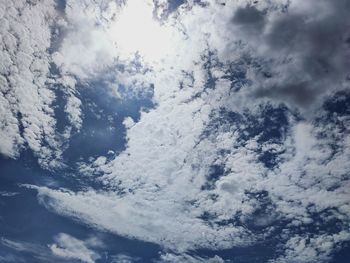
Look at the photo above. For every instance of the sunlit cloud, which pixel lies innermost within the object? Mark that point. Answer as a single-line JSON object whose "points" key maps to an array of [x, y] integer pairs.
{"points": [[136, 31]]}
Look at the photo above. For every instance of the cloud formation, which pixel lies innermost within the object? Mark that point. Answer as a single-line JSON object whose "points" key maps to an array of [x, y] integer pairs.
{"points": [[306, 44], [26, 115], [69, 247], [228, 157]]}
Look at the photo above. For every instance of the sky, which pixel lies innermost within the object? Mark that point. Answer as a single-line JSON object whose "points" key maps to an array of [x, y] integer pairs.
{"points": [[174, 131]]}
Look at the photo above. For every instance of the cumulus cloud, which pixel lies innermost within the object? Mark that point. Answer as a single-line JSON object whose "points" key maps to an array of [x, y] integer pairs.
{"points": [[292, 52], [306, 44], [163, 195], [86, 48], [69, 247], [212, 165], [192, 174], [25, 99], [28, 85], [311, 249]]}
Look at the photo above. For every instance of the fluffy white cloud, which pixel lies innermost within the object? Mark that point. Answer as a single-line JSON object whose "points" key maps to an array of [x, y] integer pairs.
{"points": [[189, 178], [69, 247], [28, 87], [86, 48], [25, 95], [312, 249], [155, 188]]}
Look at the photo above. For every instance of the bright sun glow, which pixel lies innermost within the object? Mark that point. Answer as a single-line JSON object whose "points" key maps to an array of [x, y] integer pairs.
{"points": [[135, 30]]}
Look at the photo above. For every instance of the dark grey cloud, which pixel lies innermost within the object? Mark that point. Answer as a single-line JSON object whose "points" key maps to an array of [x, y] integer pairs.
{"points": [[250, 17], [298, 92], [307, 49]]}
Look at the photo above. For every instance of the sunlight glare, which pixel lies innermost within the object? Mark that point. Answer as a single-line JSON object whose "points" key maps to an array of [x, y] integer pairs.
{"points": [[135, 30]]}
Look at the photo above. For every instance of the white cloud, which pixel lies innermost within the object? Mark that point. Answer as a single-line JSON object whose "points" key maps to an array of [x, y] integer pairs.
{"points": [[27, 86], [39, 252], [69, 247], [312, 249], [166, 226], [8, 194], [174, 258], [121, 258], [25, 98], [155, 187], [156, 190]]}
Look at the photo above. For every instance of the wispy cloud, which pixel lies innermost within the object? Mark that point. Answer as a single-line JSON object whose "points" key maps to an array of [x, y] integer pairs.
{"points": [[69, 247]]}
